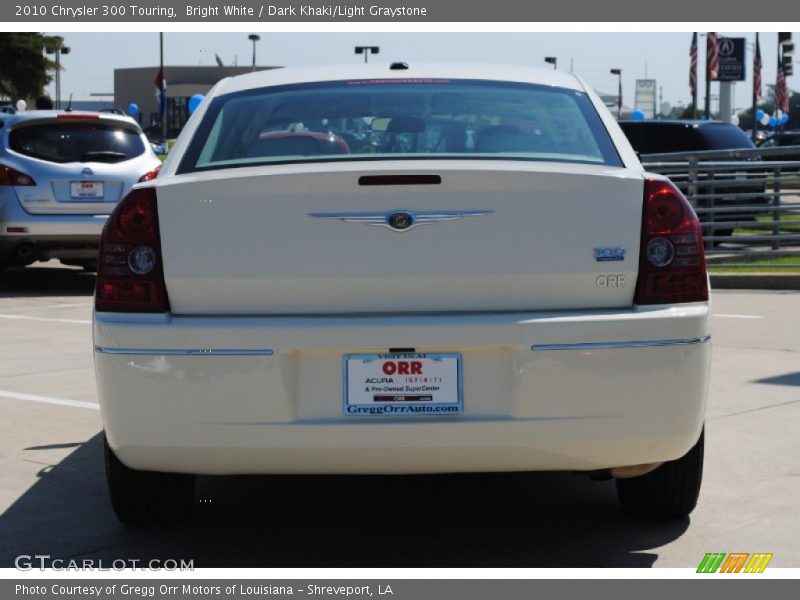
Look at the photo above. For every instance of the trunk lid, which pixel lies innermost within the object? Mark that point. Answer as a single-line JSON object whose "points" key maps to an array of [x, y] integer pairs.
{"points": [[252, 240], [75, 188]]}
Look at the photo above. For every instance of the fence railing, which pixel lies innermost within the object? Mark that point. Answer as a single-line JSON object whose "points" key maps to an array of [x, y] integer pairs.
{"points": [[748, 203]]}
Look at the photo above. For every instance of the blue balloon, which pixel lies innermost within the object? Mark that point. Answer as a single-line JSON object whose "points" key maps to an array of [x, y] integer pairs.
{"points": [[638, 115], [773, 121], [194, 102], [133, 109], [784, 119], [759, 114]]}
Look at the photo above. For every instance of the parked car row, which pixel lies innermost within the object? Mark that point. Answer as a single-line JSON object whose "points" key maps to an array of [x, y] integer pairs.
{"points": [[61, 173]]}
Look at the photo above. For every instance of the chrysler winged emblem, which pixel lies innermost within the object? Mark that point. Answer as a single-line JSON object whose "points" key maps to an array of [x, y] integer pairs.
{"points": [[401, 220]]}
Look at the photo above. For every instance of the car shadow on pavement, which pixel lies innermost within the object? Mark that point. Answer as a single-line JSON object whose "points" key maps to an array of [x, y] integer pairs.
{"points": [[539, 520], [17, 282], [786, 379]]}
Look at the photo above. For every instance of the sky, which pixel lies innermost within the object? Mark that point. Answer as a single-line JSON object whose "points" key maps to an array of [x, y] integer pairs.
{"points": [[89, 68]]}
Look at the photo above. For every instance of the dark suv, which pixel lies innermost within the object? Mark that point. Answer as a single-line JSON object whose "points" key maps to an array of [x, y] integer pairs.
{"points": [[662, 136], [655, 137]]}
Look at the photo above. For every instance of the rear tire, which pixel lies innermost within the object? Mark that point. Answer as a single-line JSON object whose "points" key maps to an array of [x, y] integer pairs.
{"points": [[669, 491], [142, 498]]}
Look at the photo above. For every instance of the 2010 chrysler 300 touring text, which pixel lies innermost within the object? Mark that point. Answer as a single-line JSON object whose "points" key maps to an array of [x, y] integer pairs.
{"points": [[406, 270]]}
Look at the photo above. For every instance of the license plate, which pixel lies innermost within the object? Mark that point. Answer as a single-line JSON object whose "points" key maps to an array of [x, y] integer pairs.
{"points": [[407, 384], [86, 189]]}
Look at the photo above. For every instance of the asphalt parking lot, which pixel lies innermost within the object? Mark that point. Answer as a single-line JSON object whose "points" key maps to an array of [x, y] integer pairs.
{"points": [[53, 498]]}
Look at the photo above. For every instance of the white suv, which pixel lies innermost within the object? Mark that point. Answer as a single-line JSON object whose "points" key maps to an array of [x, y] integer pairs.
{"points": [[61, 175]]}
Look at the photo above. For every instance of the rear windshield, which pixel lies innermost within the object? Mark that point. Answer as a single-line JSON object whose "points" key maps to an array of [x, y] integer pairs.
{"points": [[76, 142], [656, 138], [399, 119]]}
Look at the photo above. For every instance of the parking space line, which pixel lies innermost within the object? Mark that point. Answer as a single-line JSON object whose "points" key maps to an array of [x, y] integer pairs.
{"points": [[42, 307], [47, 319], [48, 400], [724, 316]]}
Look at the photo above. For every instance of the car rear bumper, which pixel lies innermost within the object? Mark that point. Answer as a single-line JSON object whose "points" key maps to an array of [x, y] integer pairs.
{"points": [[25, 236], [24, 249], [554, 391]]}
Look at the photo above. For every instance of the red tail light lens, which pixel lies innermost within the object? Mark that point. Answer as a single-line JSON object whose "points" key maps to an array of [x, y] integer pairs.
{"points": [[130, 274], [672, 263], [71, 116], [150, 174], [9, 176]]}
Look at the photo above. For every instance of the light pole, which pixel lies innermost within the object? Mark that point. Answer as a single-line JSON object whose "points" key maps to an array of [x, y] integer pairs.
{"points": [[253, 37], [366, 50], [618, 73], [55, 45], [552, 60]]}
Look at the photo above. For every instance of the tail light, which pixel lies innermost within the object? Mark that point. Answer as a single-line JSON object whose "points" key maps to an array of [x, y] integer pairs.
{"points": [[130, 273], [9, 176], [672, 263], [152, 174]]}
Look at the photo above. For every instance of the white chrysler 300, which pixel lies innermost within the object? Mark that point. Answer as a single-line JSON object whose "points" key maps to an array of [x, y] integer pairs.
{"points": [[375, 269]]}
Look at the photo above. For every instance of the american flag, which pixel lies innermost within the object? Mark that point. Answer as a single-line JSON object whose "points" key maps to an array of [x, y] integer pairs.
{"points": [[693, 65], [757, 71], [712, 56], [781, 92]]}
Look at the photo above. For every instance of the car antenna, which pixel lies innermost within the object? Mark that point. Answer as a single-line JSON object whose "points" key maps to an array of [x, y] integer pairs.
{"points": [[69, 104]]}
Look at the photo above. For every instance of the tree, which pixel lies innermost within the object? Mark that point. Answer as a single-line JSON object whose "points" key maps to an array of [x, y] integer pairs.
{"points": [[688, 113], [24, 69]]}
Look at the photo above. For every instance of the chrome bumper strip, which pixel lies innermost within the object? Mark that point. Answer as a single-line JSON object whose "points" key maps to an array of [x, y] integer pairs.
{"points": [[180, 352], [268, 352], [634, 344]]}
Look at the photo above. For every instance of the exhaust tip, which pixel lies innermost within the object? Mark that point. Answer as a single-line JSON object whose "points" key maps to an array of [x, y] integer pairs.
{"points": [[24, 251]]}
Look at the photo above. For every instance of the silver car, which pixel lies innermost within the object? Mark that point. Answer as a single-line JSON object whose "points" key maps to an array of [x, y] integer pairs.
{"points": [[61, 175]]}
